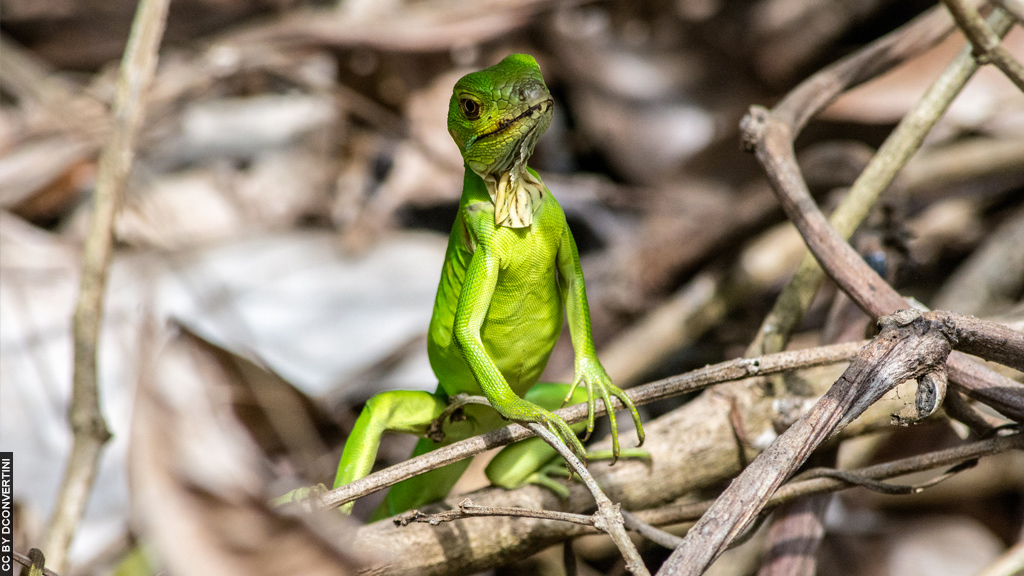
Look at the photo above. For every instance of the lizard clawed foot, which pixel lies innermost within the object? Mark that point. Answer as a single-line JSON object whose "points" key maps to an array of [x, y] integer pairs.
{"points": [[596, 381], [546, 479], [520, 410], [556, 468], [308, 498], [557, 426]]}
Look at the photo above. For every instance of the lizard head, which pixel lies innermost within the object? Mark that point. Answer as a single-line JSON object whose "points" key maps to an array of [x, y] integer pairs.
{"points": [[497, 115]]}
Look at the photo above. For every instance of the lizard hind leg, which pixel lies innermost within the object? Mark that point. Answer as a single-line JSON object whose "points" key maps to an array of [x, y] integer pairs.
{"points": [[424, 489], [405, 411], [434, 485]]}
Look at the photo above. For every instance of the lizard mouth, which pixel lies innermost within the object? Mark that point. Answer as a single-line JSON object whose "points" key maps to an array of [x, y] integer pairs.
{"points": [[504, 125]]}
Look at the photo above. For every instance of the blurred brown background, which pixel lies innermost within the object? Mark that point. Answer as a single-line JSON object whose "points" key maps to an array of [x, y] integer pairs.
{"points": [[294, 183]]}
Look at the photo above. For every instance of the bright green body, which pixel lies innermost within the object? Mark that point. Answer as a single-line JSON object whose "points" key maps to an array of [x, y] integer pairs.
{"points": [[513, 288], [500, 302]]}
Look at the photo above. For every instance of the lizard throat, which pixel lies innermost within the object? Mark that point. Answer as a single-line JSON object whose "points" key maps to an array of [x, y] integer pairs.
{"points": [[517, 195]]}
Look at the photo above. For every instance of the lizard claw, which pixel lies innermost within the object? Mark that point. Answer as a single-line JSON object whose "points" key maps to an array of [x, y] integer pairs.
{"points": [[559, 428], [592, 375], [525, 411], [308, 499]]}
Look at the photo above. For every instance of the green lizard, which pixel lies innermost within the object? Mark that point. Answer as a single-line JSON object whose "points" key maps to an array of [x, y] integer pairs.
{"points": [[510, 270]]}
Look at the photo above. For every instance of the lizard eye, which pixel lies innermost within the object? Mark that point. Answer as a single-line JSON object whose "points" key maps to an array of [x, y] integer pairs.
{"points": [[470, 108]]}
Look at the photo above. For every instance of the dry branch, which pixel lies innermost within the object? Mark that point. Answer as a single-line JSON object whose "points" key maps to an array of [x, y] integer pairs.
{"points": [[881, 170], [803, 486], [467, 509], [910, 345], [681, 463], [90, 430], [812, 483], [691, 447], [770, 136], [987, 45], [798, 529]]}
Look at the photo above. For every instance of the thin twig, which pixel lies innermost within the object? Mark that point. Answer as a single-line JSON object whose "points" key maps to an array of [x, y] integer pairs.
{"points": [[467, 509], [666, 388], [608, 518], [656, 535], [879, 486], [90, 430], [988, 47]]}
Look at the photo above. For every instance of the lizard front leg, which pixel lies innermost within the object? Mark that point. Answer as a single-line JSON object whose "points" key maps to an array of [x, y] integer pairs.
{"points": [[588, 369], [532, 461], [474, 301]]}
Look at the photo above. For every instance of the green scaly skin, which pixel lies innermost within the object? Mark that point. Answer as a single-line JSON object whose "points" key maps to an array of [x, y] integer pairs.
{"points": [[500, 302]]}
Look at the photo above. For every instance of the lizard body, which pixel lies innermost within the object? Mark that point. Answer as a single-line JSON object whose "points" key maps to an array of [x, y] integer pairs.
{"points": [[511, 271]]}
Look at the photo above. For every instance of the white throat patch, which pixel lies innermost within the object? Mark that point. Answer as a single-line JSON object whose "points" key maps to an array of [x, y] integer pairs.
{"points": [[517, 195]]}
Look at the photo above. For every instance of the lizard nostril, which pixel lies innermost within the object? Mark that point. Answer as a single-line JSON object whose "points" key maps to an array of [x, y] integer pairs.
{"points": [[532, 91]]}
